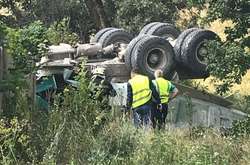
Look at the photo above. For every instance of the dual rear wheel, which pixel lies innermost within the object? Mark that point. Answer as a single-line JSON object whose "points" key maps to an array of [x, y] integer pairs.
{"points": [[161, 46]]}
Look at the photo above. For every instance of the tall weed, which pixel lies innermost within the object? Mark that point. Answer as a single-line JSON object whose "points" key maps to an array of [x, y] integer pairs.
{"points": [[78, 130]]}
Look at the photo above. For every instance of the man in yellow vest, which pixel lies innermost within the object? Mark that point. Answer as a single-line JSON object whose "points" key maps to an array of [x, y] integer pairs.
{"points": [[140, 91], [167, 92]]}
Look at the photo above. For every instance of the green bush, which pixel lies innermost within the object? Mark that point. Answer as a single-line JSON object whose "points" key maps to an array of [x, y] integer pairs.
{"points": [[14, 141], [59, 32], [241, 128]]}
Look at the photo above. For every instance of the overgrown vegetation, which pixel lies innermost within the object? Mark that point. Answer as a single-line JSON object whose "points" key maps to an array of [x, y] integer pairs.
{"points": [[77, 130]]}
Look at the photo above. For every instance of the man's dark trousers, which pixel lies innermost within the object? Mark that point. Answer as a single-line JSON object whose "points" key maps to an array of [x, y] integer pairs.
{"points": [[142, 115], [158, 116]]}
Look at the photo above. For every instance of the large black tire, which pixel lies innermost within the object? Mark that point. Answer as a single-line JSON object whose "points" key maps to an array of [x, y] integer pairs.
{"points": [[99, 34], [194, 52], [152, 53], [147, 27], [164, 30], [115, 36], [129, 50], [179, 42]]}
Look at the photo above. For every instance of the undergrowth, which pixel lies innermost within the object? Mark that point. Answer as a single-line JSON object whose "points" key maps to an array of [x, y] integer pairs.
{"points": [[78, 130]]}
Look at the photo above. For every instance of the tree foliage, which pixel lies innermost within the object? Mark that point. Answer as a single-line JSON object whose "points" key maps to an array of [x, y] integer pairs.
{"points": [[134, 14], [59, 32], [235, 10], [24, 44], [228, 60], [82, 17]]}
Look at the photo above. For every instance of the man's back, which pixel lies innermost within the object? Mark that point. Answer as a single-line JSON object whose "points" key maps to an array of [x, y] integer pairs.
{"points": [[139, 98]]}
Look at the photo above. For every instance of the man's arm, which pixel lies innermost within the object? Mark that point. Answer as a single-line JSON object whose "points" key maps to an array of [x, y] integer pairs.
{"points": [[173, 90], [155, 94], [129, 96], [174, 93]]}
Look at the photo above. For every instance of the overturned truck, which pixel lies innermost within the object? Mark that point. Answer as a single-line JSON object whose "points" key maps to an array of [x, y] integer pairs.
{"points": [[158, 46], [181, 55]]}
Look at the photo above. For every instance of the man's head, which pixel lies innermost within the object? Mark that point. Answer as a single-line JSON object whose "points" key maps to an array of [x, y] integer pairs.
{"points": [[158, 73], [134, 72]]}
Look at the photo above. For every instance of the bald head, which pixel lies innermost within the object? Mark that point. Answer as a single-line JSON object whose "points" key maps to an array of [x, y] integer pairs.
{"points": [[158, 73]]}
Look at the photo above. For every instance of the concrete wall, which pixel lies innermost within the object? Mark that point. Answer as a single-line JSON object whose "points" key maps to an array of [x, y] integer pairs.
{"points": [[185, 110]]}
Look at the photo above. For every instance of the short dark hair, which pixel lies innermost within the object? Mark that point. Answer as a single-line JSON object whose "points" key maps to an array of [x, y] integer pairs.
{"points": [[135, 70]]}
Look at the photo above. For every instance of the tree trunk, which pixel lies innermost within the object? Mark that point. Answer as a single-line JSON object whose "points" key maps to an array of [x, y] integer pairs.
{"points": [[96, 10], [1, 78], [102, 15], [93, 13]]}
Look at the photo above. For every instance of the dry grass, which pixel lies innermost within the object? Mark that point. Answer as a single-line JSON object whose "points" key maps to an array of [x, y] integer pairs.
{"points": [[218, 27], [243, 88]]}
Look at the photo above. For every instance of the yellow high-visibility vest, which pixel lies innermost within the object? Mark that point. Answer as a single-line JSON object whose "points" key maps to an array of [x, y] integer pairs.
{"points": [[141, 90], [163, 88]]}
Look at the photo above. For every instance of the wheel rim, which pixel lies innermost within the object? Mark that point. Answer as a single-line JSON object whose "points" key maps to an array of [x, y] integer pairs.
{"points": [[155, 59], [202, 53]]}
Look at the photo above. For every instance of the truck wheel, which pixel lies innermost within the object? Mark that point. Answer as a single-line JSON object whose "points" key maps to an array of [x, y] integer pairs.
{"points": [[147, 27], [194, 50], [115, 36], [152, 53], [166, 31], [179, 42], [129, 50], [99, 34]]}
